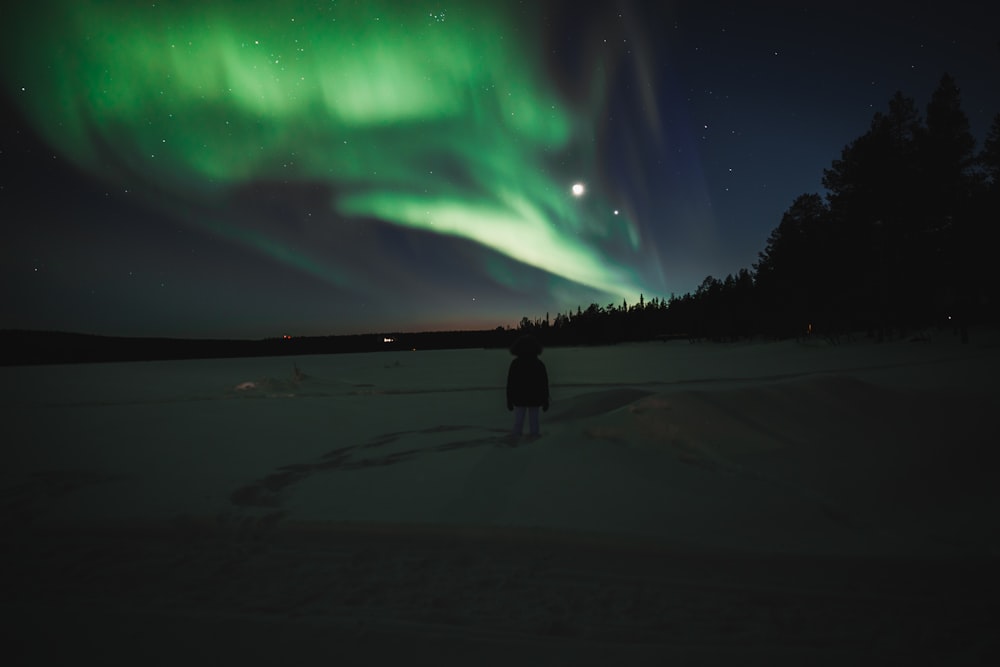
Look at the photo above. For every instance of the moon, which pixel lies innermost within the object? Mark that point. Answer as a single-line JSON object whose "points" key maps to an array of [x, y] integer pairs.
{"points": [[578, 189]]}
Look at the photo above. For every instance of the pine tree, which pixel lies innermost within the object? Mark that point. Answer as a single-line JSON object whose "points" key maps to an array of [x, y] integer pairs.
{"points": [[947, 160], [989, 158]]}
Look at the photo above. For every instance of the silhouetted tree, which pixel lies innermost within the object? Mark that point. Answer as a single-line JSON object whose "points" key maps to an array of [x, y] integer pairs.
{"points": [[989, 158], [944, 249], [987, 212], [871, 196], [793, 274]]}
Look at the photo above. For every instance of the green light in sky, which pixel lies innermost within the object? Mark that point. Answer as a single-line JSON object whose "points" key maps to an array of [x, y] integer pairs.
{"points": [[440, 121]]}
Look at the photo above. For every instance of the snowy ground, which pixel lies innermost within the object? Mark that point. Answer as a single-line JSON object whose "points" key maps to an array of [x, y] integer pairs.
{"points": [[768, 503]]}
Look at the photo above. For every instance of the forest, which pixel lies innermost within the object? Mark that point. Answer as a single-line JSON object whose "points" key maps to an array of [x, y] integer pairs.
{"points": [[899, 243]]}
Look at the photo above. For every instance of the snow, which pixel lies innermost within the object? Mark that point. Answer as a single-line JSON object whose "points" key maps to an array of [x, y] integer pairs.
{"points": [[767, 502]]}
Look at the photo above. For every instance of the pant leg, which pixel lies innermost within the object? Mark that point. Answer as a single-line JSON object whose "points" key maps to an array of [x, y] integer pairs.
{"points": [[533, 420], [518, 419]]}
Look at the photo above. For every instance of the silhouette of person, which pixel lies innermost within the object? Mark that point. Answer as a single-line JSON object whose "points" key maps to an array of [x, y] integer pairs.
{"points": [[527, 384]]}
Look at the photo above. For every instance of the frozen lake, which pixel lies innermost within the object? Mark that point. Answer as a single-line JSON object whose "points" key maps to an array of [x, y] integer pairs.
{"points": [[750, 453]]}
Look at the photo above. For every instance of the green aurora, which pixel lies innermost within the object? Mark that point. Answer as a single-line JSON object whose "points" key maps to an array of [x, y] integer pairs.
{"points": [[442, 121]]}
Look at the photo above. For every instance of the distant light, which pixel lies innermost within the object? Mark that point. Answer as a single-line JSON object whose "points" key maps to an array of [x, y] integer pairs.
{"points": [[578, 189], [388, 339]]}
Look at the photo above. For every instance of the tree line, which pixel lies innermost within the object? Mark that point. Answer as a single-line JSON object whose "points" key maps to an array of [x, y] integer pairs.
{"points": [[900, 241]]}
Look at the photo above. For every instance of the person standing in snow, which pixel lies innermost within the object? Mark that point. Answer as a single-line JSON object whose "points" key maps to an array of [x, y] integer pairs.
{"points": [[527, 384]]}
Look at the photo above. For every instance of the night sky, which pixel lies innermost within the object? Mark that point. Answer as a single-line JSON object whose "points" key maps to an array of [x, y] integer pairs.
{"points": [[249, 169]]}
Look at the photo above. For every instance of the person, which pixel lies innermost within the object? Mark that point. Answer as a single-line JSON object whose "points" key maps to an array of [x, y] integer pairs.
{"points": [[527, 384]]}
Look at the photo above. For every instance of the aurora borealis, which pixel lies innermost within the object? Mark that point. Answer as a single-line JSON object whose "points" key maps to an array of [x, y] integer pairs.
{"points": [[352, 166], [417, 119]]}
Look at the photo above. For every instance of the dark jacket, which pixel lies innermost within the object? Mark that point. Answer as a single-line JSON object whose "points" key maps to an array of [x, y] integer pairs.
{"points": [[527, 383]]}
